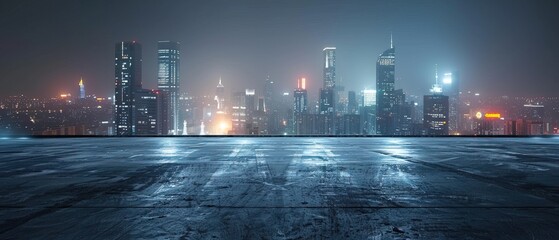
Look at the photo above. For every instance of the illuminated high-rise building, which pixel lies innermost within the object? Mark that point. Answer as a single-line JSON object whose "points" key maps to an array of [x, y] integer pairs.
{"points": [[149, 106], [271, 107], [82, 89], [300, 105], [327, 108], [435, 110], [128, 80], [329, 73], [450, 87], [369, 97], [328, 92], [326, 105], [385, 92], [220, 96], [367, 111], [435, 114], [238, 113], [168, 81]]}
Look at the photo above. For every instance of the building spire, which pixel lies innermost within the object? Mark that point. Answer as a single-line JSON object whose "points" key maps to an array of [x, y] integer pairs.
{"points": [[391, 42], [81, 81], [436, 87]]}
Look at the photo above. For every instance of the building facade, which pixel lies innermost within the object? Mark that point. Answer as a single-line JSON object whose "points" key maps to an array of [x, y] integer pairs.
{"points": [[451, 89], [168, 81], [300, 105], [435, 114], [385, 99], [128, 80]]}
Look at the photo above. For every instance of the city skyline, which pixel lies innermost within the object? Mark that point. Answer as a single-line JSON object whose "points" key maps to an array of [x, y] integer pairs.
{"points": [[215, 53]]}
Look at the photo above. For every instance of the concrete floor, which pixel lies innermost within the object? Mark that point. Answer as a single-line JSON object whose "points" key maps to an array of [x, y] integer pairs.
{"points": [[279, 188]]}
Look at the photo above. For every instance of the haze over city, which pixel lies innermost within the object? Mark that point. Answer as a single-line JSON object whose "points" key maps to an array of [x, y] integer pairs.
{"points": [[499, 47], [279, 119]]}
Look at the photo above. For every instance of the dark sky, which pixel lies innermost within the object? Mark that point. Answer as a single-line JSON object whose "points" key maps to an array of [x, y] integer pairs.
{"points": [[499, 47]]}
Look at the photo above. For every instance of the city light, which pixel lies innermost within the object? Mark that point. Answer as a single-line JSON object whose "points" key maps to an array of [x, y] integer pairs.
{"points": [[492, 115], [447, 79], [193, 120]]}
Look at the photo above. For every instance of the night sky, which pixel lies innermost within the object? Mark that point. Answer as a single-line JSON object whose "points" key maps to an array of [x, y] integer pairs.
{"points": [[499, 47]]}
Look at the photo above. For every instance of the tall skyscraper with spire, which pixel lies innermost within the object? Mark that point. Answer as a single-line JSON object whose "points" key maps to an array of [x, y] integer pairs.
{"points": [[168, 81], [220, 96], [128, 80], [436, 110], [82, 89], [385, 112]]}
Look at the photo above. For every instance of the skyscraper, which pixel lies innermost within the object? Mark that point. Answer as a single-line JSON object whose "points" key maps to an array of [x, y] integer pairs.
{"points": [[435, 110], [220, 96], [238, 113], [435, 114], [271, 95], [385, 92], [82, 89], [367, 111], [451, 88], [368, 97], [328, 92], [352, 103], [300, 104], [149, 106], [329, 73], [168, 81], [128, 80], [250, 110], [326, 101]]}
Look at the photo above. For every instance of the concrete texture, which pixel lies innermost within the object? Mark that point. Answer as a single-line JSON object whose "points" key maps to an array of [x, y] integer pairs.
{"points": [[279, 188]]}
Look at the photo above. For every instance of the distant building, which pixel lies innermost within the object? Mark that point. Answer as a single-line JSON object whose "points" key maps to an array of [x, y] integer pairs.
{"points": [[271, 107], [487, 124], [435, 110], [220, 96], [385, 92], [329, 72], [168, 81], [300, 105], [368, 119], [328, 93], [352, 103], [82, 89], [250, 101], [128, 80], [327, 108], [349, 124], [238, 113], [402, 114], [435, 114], [368, 97], [450, 87], [149, 111]]}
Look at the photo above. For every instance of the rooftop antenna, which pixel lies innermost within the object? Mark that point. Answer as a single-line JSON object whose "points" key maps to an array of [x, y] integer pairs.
{"points": [[436, 87]]}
